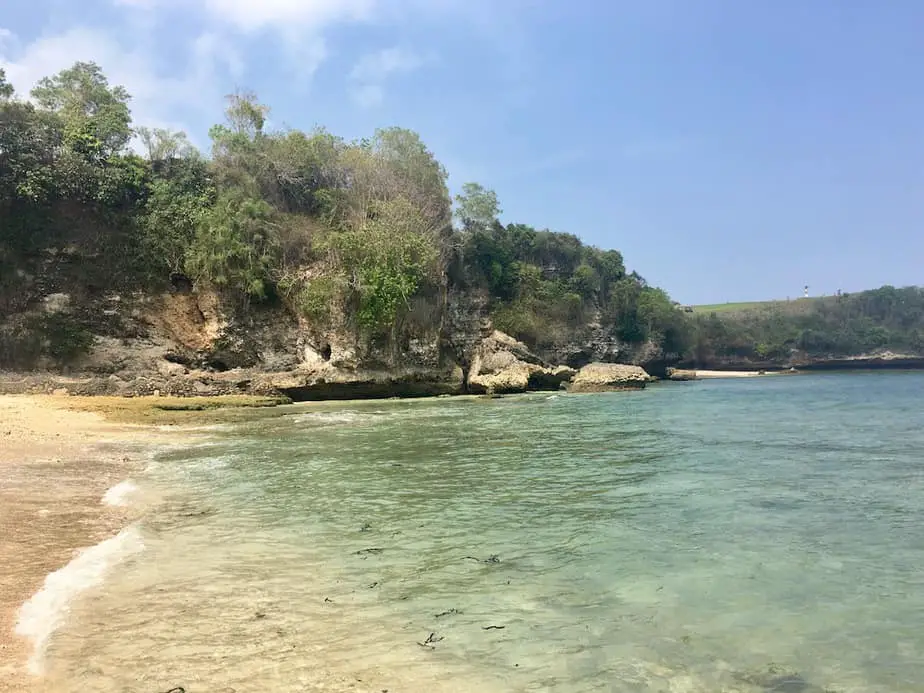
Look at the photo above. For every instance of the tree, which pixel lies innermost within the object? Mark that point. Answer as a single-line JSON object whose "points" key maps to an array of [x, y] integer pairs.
{"points": [[476, 207], [300, 168], [235, 247], [238, 145], [414, 173], [177, 204], [28, 142], [655, 311], [6, 89], [97, 120], [162, 144]]}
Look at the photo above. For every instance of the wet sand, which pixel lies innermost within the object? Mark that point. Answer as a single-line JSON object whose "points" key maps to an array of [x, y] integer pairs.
{"points": [[55, 466]]}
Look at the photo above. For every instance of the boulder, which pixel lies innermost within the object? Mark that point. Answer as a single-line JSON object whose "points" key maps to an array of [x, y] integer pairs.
{"points": [[604, 377], [680, 374], [503, 365], [514, 378]]}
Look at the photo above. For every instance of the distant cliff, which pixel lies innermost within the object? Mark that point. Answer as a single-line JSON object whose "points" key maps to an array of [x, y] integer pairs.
{"points": [[879, 328]]}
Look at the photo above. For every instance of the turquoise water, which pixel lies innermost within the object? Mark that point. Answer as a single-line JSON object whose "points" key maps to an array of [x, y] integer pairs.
{"points": [[739, 535]]}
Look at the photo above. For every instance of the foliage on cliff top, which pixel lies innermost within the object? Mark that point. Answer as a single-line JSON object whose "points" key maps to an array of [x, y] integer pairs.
{"points": [[345, 231]]}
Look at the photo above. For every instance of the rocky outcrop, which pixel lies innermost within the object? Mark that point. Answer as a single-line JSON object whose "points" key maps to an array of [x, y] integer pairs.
{"points": [[679, 374], [502, 365], [875, 361], [328, 382], [605, 377]]}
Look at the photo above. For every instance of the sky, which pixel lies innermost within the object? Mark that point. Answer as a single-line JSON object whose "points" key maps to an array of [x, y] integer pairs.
{"points": [[730, 150]]}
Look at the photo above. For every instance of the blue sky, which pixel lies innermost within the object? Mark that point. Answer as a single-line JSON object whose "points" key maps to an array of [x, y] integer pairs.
{"points": [[731, 150]]}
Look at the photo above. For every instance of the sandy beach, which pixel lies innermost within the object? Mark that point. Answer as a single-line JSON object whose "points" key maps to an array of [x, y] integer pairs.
{"points": [[736, 374], [55, 466]]}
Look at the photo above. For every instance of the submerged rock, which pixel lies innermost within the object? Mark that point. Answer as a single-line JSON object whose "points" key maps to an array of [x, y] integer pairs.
{"points": [[603, 377], [776, 679]]}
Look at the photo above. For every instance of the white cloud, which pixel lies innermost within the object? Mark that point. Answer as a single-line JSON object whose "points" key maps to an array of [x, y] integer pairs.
{"points": [[247, 14], [156, 98], [370, 73], [250, 15]]}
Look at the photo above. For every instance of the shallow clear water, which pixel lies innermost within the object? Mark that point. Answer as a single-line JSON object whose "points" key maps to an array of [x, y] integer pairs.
{"points": [[741, 535]]}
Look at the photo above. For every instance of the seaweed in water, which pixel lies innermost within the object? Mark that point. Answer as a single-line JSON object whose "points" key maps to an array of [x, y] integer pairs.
{"points": [[432, 638], [451, 612]]}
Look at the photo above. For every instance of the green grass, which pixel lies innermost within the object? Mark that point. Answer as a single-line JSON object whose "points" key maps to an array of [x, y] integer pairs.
{"points": [[796, 305]]}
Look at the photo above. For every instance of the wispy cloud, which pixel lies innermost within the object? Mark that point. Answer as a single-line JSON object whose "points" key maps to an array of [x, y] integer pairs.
{"points": [[157, 99], [370, 73], [249, 16]]}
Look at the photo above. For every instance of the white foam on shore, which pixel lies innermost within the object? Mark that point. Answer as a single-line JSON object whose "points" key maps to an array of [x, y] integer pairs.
{"points": [[119, 494], [47, 609]]}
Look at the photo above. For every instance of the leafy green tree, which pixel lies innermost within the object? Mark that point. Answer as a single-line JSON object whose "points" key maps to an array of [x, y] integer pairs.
{"points": [[163, 145], [177, 205], [586, 281], [29, 141], [655, 310], [476, 207], [412, 171], [238, 144], [97, 120]]}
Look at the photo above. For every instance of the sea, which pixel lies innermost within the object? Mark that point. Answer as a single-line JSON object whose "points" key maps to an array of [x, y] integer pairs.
{"points": [[758, 535]]}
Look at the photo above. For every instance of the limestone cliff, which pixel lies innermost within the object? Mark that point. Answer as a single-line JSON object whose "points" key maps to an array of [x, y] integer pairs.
{"points": [[187, 342]]}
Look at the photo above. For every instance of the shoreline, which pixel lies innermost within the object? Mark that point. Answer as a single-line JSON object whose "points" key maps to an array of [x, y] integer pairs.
{"points": [[57, 466]]}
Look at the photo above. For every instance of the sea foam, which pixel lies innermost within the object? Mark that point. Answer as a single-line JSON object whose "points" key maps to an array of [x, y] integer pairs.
{"points": [[47, 609], [119, 494]]}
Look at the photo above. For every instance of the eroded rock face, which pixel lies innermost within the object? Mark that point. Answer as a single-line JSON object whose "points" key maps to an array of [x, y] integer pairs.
{"points": [[328, 382], [604, 377], [502, 365]]}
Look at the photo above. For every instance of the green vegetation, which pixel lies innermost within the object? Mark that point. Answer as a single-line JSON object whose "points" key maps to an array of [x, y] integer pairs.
{"points": [[348, 235], [850, 324]]}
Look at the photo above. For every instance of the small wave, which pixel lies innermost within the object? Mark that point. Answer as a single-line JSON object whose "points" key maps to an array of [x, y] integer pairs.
{"points": [[328, 417], [194, 428], [119, 494], [45, 611]]}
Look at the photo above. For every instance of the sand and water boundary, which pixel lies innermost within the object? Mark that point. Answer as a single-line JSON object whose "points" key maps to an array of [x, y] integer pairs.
{"points": [[66, 506]]}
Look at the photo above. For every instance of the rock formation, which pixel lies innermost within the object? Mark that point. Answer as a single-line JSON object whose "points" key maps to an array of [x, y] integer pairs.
{"points": [[604, 377]]}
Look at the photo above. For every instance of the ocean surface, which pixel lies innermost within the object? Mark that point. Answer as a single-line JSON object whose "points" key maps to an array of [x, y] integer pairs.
{"points": [[749, 535]]}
